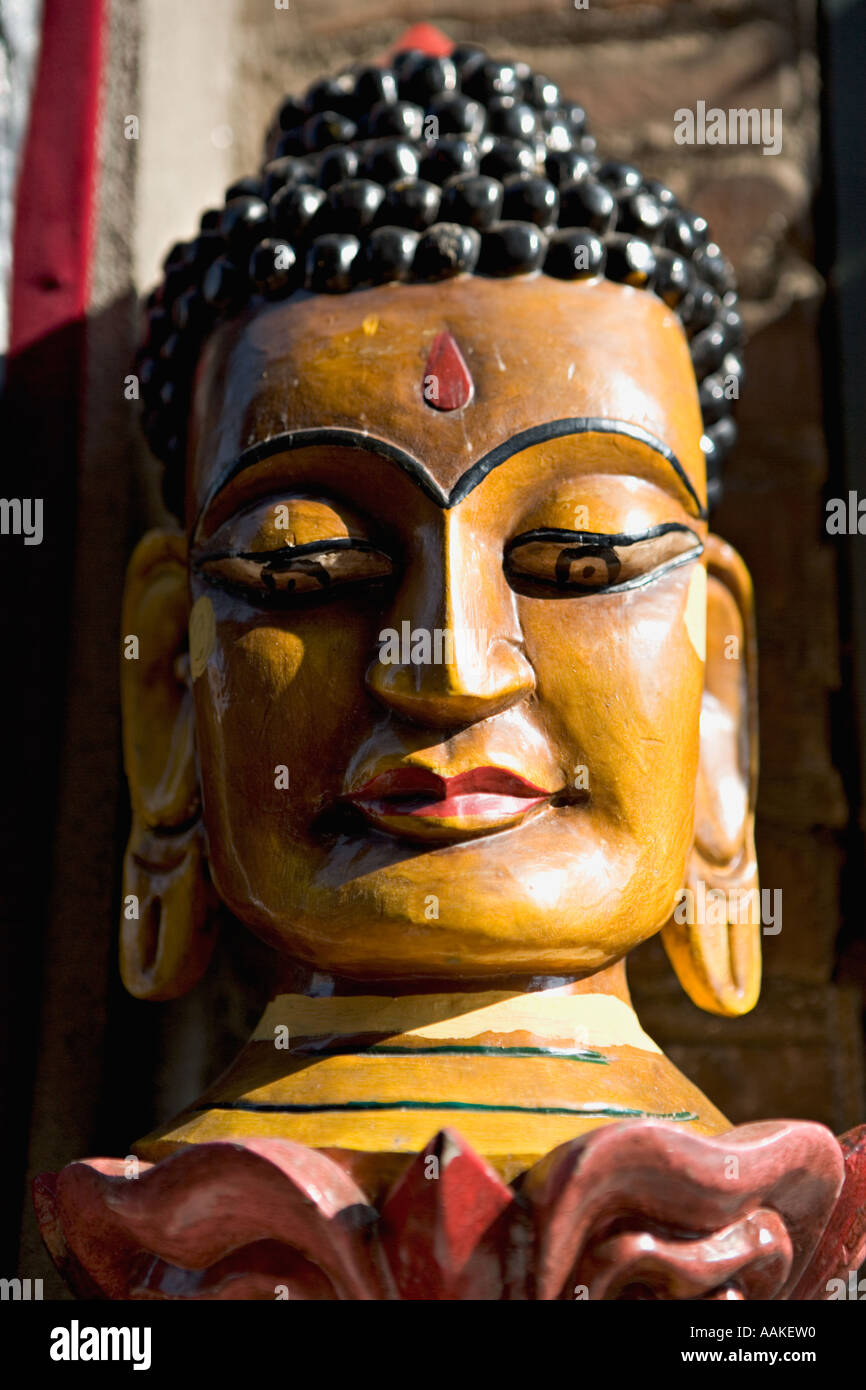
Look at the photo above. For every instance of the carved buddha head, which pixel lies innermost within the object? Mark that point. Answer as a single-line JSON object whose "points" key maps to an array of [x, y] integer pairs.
{"points": [[468, 692]]}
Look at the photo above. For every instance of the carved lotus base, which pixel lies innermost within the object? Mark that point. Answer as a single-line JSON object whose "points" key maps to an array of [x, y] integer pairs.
{"points": [[633, 1210]]}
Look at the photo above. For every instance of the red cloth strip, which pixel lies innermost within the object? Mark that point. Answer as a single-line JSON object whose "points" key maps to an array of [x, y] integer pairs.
{"points": [[55, 214]]}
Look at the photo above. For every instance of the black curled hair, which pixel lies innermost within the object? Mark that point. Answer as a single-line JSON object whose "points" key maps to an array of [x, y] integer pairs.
{"points": [[430, 168]]}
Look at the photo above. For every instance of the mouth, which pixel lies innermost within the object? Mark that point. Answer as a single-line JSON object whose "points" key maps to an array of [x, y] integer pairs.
{"points": [[420, 803]]}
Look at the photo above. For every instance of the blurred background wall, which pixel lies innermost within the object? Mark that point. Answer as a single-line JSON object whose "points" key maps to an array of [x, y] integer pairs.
{"points": [[96, 1069]]}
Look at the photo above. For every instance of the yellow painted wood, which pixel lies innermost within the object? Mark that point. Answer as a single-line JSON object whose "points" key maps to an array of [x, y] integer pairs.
{"points": [[503, 1139], [552, 1015]]}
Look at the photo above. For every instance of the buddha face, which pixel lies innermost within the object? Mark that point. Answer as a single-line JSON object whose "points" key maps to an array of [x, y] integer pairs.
{"points": [[449, 665]]}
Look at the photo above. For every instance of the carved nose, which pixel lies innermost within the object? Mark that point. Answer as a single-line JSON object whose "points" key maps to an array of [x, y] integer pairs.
{"points": [[444, 678]]}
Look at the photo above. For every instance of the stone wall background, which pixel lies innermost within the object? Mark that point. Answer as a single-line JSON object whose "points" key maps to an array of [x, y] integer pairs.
{"points": [[108, 1068]]}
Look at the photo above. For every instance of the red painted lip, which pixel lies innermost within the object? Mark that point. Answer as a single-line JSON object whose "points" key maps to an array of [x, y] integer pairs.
{"points": [[482, 793], [415, 780]]}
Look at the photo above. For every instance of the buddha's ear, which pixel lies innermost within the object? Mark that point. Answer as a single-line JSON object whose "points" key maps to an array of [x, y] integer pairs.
{"points": [[167, 927], [714, 937]]}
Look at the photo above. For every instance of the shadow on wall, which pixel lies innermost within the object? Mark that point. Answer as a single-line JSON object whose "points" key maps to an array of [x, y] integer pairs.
{"points": [[82, 1060]]}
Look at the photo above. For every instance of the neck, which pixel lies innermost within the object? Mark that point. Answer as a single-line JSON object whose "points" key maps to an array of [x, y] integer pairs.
{"points": [[540, 1012], [299, 980], [372, 1069]]}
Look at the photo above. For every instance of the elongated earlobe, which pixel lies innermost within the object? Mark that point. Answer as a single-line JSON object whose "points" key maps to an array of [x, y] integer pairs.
{"points": [[168, 915], [714, 936], [165, 949]]}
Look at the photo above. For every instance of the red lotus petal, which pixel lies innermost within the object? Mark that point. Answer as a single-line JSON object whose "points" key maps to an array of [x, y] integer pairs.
{"points": [[255, 1272], [444, 1224], [198, 1206], [755, 1252], [642, 1203], [653, 1174], [51, 1230], [843, 1245]]}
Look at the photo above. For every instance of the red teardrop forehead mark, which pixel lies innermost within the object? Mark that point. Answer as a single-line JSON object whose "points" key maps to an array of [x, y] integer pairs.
{"points": [[447, 382]]}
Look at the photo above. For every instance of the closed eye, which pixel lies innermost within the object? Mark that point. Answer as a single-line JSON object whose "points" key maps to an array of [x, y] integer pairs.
{"points": [[274, 577], [550, 562]]}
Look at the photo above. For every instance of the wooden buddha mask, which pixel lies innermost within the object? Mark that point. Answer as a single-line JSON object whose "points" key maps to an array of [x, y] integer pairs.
{"points": [[445, 684], [444, 692]]}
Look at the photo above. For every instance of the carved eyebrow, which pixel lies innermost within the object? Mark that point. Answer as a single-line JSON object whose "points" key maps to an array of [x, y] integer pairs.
{"points": [[558, 429], [292, 440], [536, 434]]}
